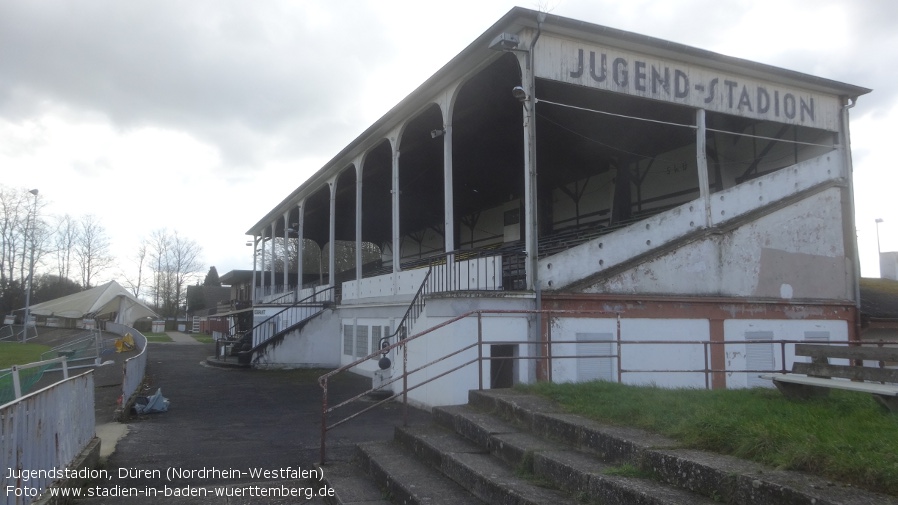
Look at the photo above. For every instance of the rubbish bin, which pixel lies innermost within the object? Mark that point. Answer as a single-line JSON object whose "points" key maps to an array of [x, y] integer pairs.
{"points": [[182, 328], [158, 326]]}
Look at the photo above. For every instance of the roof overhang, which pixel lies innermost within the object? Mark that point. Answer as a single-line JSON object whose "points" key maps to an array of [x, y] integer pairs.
{"points": [[479, 54]]}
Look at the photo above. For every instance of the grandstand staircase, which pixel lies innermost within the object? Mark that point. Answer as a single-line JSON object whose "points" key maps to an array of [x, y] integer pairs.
{"points": [[299, 313], [512, 448]]}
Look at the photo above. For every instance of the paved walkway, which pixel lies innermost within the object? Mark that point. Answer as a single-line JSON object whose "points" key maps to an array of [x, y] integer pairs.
{"points": [[225, 425]]}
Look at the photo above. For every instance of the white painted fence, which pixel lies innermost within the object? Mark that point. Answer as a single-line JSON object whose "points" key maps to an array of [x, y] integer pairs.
{"points": [[474, 274], [44, 432], [135, 366]]}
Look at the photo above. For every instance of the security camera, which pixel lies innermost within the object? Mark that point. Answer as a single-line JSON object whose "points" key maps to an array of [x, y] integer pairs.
{"points": [[519, 93], [437, 133]]}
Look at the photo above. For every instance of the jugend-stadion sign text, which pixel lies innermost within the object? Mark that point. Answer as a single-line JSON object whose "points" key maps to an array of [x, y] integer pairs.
{"points": [[639, 75]]}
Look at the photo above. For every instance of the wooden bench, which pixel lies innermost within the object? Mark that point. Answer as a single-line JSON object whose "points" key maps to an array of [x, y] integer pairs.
{"points": [[819, 376]]}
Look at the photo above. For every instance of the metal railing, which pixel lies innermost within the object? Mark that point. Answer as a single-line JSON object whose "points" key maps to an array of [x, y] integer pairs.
{"points": [[486, 269], [471, 270], [545, 355], [261, 292], [134, 367], [324, 380], [8, 331], [415, 308], [11, 386], [291, 315], [45, 430], [85, 348]]}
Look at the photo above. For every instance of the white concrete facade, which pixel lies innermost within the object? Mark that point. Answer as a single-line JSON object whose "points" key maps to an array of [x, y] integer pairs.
{"points": [[695, 201]]}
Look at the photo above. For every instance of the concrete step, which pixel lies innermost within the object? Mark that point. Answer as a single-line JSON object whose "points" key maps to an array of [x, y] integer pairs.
{"points": [[582, 477], [475, 468], [723, 478], [351, 485], [282, 492], [403, 479]]}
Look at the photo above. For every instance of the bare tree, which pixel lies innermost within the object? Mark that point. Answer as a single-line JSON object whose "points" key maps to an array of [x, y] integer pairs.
{"points": [[176, 263], [140, 258], [158, 245], [65, 239], [92, 250], [24, 236], [186, 263], [13, 214]]}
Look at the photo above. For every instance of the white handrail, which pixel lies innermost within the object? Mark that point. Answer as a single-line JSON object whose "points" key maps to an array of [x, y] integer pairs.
{"points": [[134, 367], [17, 384]]}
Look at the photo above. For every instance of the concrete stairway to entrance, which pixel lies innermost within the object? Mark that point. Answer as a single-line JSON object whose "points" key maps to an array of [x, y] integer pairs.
{"points": [[512, 448]]}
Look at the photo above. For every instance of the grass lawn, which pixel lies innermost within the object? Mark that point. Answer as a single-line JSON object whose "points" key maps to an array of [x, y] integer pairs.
{"points": [[158, 337], [846, 437], [14, 353], [202, 338]]}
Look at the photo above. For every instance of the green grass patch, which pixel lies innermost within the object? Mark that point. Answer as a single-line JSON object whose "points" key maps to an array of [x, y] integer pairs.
{"points": [[158, 337], [202, 338], [628, 470], [846, 437], [14, 353]]}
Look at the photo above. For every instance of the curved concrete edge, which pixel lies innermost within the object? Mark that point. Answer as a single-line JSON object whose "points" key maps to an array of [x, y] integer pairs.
{"points": [[88, 458]]}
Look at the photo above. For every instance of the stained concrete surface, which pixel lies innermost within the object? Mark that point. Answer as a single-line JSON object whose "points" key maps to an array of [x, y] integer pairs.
{"points": [[223, 419], [238, 420]]}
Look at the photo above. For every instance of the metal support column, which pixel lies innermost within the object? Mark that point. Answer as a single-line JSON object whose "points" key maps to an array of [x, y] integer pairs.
{"points": [[395, 193], [299, 248], [358, 226], [286, 249], [331, 263], [701, 162]]}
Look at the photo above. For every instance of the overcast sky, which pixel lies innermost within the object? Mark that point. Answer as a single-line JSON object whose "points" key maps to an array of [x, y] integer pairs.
{"points": [[200, 116]]}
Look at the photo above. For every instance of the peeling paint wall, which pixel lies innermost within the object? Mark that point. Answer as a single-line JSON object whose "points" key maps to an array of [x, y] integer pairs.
{"points": [[793, 253]]}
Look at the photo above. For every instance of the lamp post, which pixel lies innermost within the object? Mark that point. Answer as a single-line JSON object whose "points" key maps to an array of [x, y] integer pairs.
{"points": [[33, 218]]}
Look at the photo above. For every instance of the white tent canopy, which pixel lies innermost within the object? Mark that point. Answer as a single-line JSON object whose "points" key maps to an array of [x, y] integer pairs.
{"points": [[96, 302]]}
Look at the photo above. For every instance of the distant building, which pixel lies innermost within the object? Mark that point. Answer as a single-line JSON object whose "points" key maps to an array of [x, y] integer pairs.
{"points": [[888, 265], [597, 203], [210, 298], [879, 309]]}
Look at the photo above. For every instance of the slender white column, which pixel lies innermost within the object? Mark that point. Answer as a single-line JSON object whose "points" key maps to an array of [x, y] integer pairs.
{"points": [[331, 263], [252, 288], [299, 248], [358, 225], [286, 255], [262, 266], [531, 240], [448, 207], [396, 195], [701, 164], [273, 257]]}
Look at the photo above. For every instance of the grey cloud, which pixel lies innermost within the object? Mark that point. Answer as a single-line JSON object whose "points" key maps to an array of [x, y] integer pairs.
{"points": [[232, 73]]}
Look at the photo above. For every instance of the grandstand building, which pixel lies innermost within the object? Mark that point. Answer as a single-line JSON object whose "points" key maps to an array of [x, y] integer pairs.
{"points": [[586, 202]]}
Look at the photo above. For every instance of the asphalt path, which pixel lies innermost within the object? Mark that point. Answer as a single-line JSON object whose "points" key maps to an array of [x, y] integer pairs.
{"points": [[226, 426]]}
